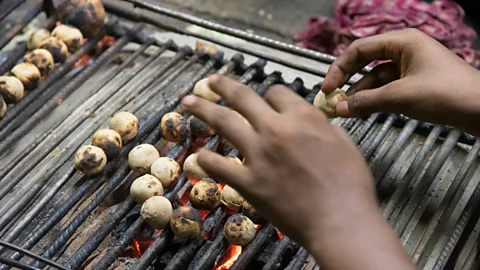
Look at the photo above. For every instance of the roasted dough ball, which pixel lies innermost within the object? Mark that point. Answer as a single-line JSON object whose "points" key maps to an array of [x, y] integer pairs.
{"points": [[36, 37], [126, 124], [205, 194], [192, 169], [90, 159], [3, 107], [70, 35], [249, 211], [56, 47], [86, 15], [42, 59], [157, 211], [231, 198], [141, 158], [186, 222], [239, 230], [145, 187], [28, 74], [174, 126], [199, 129], [11, 89], [109, 140], [166, 170], [327, 103], [203, 90]]}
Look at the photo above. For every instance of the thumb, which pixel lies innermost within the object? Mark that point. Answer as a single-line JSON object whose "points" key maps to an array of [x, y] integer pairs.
{"points": [[366, 102]]}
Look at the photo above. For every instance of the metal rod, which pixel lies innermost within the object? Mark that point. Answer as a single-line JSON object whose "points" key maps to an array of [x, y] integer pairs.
{"points": [[421, 190], [17, 264], [277, 253], [31, 254], [362, 131], [299, 260], [448, 203], [208, 257], [253, 248], [7, 6], [419, 162], [32, 13]]}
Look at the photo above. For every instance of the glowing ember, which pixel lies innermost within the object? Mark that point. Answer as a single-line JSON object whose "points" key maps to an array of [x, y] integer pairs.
{"points": [[107, 41], [258, 226], [82, 61], [280, 235], [185, 198], [139, 247], [193, 181], [203, 213], [229, 259]]}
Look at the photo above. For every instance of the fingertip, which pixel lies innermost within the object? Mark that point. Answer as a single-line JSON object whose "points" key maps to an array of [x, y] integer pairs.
{"points": [[189, 101], [213, 79], [343, 109]]}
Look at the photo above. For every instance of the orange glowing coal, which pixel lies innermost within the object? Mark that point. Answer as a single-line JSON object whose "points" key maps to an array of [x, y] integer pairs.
{"points": [[82, 61], [140, 246], [280, 235], [229, 259]]}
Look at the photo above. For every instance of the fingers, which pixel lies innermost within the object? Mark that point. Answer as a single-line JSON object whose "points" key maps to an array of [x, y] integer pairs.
{"points": [[241, 98], [379, 76], [282, 99], [223, 120], [389, 46], [224, 170], [387, 98]]}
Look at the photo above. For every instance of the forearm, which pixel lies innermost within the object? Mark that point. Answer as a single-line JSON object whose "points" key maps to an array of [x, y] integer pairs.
{"points": [[361, 241]]}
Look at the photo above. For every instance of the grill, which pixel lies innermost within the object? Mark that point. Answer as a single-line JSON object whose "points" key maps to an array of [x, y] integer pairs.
{"points": [[53, 216]]}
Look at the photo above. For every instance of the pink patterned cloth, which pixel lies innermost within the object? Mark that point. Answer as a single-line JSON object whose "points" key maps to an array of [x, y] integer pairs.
{"points": [[442, 20]]}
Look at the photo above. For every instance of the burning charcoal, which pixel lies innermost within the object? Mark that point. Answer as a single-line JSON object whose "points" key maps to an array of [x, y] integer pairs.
{"points": [[192, 169], [145, 187], [205, 194], [56, 47], [157, 211], [239, 230], [70, 35], [199, 129], [126, 124], [249, 211], [186, 222], [42, 59], [3, 107], [327, 103], [166, 170], [141, 158], [231, 198], [11, 89], [109, 140], [90, 159], [87, 15], [36, 37], [202, 89], [174, 127], [28, 74]]}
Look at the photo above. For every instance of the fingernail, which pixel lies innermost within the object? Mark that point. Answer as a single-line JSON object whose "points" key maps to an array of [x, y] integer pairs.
{"points": [[189, 100], [213, 78], [342, 108]]}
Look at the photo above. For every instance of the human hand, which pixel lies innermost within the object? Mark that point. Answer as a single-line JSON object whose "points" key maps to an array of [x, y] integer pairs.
{"points": [[303, 174], [424, 80]]}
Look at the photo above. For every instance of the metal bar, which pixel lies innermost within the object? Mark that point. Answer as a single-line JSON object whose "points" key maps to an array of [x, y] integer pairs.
{"points": [[7, 6], [448, 203], [253, 248], [32, 13], [419, 162], [362, 131], [299, 260], [420, 191], [382, 133], [19, 265], [277, 253], [208, 258], [31, 254]]}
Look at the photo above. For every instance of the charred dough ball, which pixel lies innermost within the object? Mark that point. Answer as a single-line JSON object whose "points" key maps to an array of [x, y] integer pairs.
{"points": [[42, 59], [36, 37], [70, 35], [86, 15], [174, 127], [327, 103], [166, 170], [141, 158], [239, 230], [231, 198], [126, 124], [203, 90], [11, 89], [205, 194], [186, 222], [157, 212], [56, 47], [192, 169], [249, 211], [109, 140], [90, 159], [28, 74], [199, 128], [145, 187], [3, 107]]}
